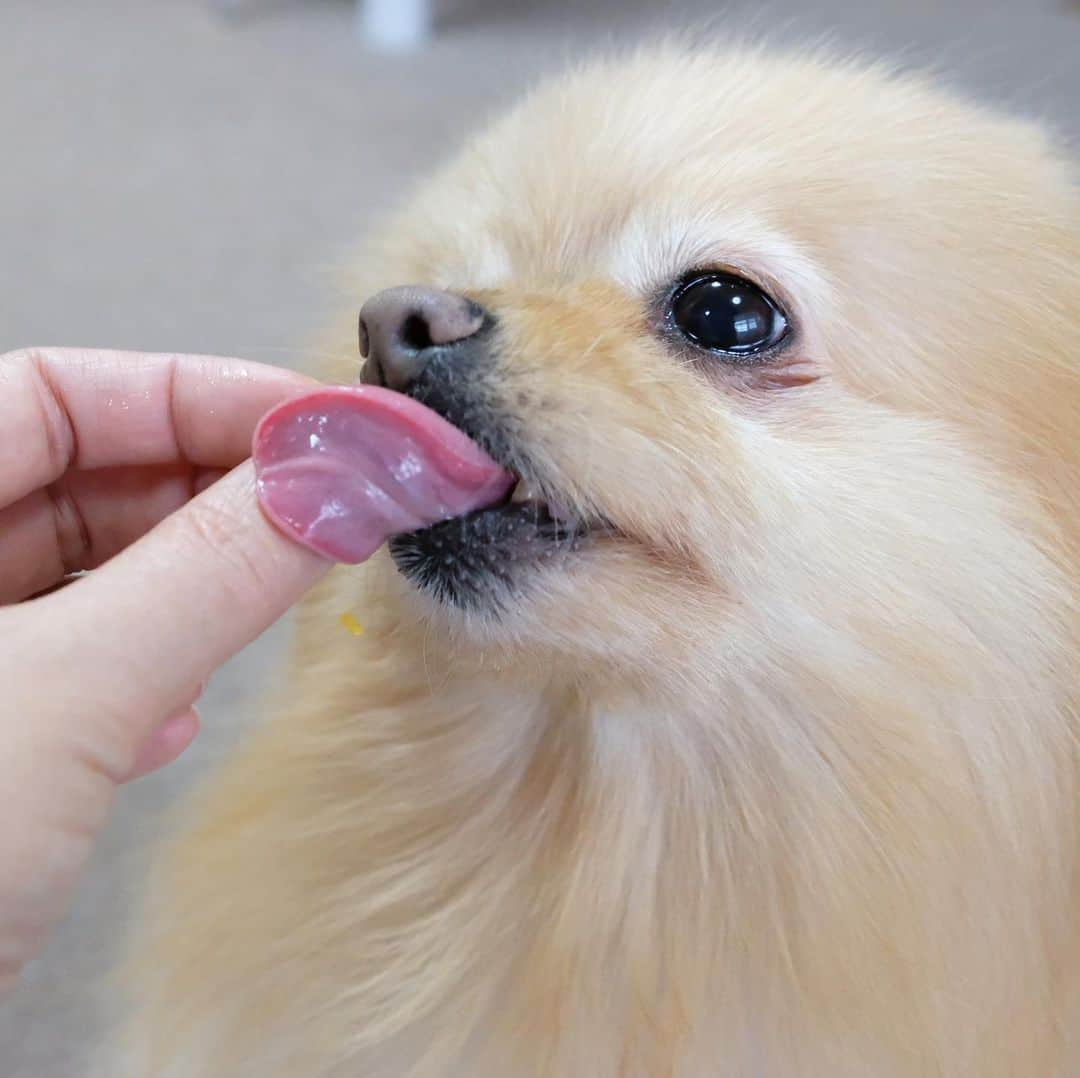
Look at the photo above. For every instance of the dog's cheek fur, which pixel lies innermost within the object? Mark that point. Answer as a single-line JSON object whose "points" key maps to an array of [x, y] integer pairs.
{"points": [[791, 790]]}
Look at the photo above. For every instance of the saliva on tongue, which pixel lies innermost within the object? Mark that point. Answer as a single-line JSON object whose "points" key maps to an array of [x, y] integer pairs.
{"points": [[344, 468]]}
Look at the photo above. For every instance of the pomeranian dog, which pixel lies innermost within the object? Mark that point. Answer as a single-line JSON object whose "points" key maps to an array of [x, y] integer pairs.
{"points": [[742, 739]]}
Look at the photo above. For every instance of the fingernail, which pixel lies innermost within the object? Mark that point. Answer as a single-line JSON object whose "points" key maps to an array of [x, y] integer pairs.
{"points": [[168, 742]]}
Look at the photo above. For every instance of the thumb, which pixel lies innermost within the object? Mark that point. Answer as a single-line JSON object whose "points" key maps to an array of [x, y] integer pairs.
{"points": [[137, 636]]}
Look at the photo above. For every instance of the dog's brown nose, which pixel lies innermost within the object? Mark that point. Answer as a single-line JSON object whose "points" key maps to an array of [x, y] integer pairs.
{"points": [[402, 329]]}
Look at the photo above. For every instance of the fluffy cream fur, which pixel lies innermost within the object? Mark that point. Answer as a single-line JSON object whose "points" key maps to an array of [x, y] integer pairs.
{"points": [[783, 782]]}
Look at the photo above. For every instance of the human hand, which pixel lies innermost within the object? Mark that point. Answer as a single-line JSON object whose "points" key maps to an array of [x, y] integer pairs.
{"points": [[106, 463]]}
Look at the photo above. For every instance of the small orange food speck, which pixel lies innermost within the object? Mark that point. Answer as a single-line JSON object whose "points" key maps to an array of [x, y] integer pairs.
{"points": [[350, 623]]}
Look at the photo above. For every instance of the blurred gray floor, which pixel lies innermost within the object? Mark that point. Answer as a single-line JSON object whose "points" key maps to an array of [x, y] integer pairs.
{"points": [[173, 181]]}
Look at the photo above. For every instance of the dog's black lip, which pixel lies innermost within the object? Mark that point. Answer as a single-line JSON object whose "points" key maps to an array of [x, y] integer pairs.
{"points": [[482, 558]]}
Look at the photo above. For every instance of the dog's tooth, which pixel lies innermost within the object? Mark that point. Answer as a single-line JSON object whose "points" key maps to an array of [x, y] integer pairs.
{"points": [[524, 492]]}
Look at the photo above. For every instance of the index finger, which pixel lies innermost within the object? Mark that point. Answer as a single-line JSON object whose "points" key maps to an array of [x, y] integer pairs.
{"points": [[64, 408]]}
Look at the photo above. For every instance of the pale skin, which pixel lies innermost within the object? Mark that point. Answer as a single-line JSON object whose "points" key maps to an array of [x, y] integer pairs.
{"points": [[134, 466]]}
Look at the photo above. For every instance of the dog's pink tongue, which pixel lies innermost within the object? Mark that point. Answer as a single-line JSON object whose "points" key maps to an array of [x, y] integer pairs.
{"points": [[343, 469]]}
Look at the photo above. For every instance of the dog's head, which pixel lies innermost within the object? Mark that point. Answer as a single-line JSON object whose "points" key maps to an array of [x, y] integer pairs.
{"points": [[780, 351]]}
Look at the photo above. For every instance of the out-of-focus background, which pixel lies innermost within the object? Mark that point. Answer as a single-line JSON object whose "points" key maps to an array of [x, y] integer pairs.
{"points": [[184, 175]]}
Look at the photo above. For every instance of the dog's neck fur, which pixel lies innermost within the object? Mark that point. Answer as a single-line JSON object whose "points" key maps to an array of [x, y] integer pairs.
{"points": [[516, 871], [666, 873]]}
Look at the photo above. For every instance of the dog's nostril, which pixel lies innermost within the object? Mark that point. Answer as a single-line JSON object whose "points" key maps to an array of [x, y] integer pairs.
{"points": [[402, 329], [416, 333]]}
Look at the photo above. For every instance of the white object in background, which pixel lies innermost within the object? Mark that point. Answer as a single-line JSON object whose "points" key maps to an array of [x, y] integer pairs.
{"points": [[394, 24]]}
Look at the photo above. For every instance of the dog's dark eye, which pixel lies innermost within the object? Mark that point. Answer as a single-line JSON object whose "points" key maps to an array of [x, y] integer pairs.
{"points": [[727, 314]]}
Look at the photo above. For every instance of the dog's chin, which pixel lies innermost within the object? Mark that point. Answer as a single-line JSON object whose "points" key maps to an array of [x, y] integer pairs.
{"points": [[485, 560]]}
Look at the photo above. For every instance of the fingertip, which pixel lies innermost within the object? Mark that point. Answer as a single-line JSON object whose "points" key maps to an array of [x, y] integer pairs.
{"points": [[166, 744]]}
